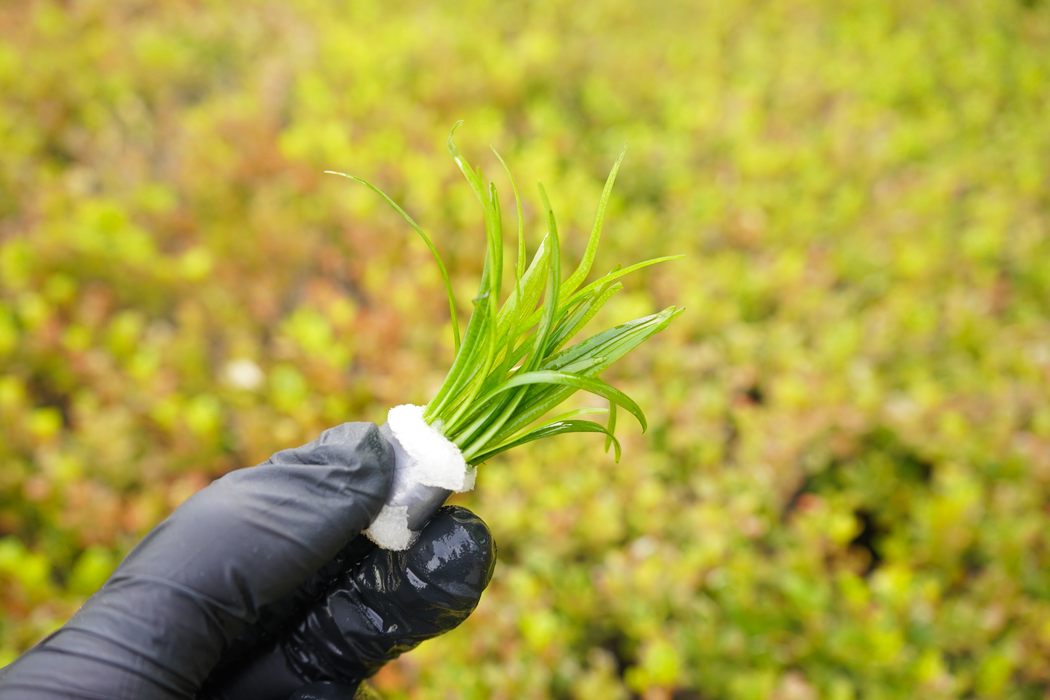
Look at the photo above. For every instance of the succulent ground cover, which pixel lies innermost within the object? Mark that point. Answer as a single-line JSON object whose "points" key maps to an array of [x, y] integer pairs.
{"points": [[842, 490]]}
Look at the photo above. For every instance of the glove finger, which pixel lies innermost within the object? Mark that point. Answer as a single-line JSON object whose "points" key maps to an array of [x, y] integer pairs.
{"points": [[159, 625], [274, 618], [383, 607]]}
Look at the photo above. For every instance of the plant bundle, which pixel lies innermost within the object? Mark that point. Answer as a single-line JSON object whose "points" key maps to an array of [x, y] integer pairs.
{"points": [[513, 363]]}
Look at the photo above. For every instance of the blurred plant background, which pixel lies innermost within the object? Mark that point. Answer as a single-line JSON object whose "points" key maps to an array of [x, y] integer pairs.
{"points": [[844, 490]]}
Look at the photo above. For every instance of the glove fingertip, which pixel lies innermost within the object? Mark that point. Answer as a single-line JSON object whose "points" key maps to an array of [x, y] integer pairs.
{"points": [[391, 601], [455, 556]]}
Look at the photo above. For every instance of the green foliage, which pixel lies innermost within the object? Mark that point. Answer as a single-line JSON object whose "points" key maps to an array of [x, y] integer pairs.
{"points": [[842, 489], [475, 407]]}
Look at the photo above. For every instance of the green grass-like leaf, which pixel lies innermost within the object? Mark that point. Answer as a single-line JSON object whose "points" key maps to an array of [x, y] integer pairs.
{"points": [[511, 367], [550, 430], [577, 277], [426, 239]]}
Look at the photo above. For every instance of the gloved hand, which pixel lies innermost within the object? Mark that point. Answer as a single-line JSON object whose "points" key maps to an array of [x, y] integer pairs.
{"points": [[260, 587]]}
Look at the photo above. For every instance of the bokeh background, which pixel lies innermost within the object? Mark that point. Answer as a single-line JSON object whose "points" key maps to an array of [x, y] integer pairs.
{"points": [[844, 490]]}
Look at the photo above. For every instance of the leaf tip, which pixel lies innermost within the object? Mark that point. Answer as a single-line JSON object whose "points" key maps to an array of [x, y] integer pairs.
{"points": [[450, 143]]}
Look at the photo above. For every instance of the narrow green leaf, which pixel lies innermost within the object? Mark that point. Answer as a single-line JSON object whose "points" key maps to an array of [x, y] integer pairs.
{"points": [[574, 322], [610, 345], [520, 271], [587, 358], [550, 296], [550, 305], [531, 289], [473, 177], [494, 249], [616, 274], [620, 273], [491, 422], [549, 430], [586, 411], [551, 248], [473, 381], [567, 326], [461, 365], [577, 277], [612, 427], [592, 384], [511, 312], [426, 239], [481, 415]]}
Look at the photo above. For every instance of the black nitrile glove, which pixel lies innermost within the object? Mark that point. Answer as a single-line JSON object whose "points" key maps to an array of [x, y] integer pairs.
{"points": [[260, 587]]}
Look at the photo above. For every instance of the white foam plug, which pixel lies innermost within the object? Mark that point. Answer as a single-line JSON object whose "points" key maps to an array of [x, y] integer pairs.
{"points": [[422, 455], [433, 459]]}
